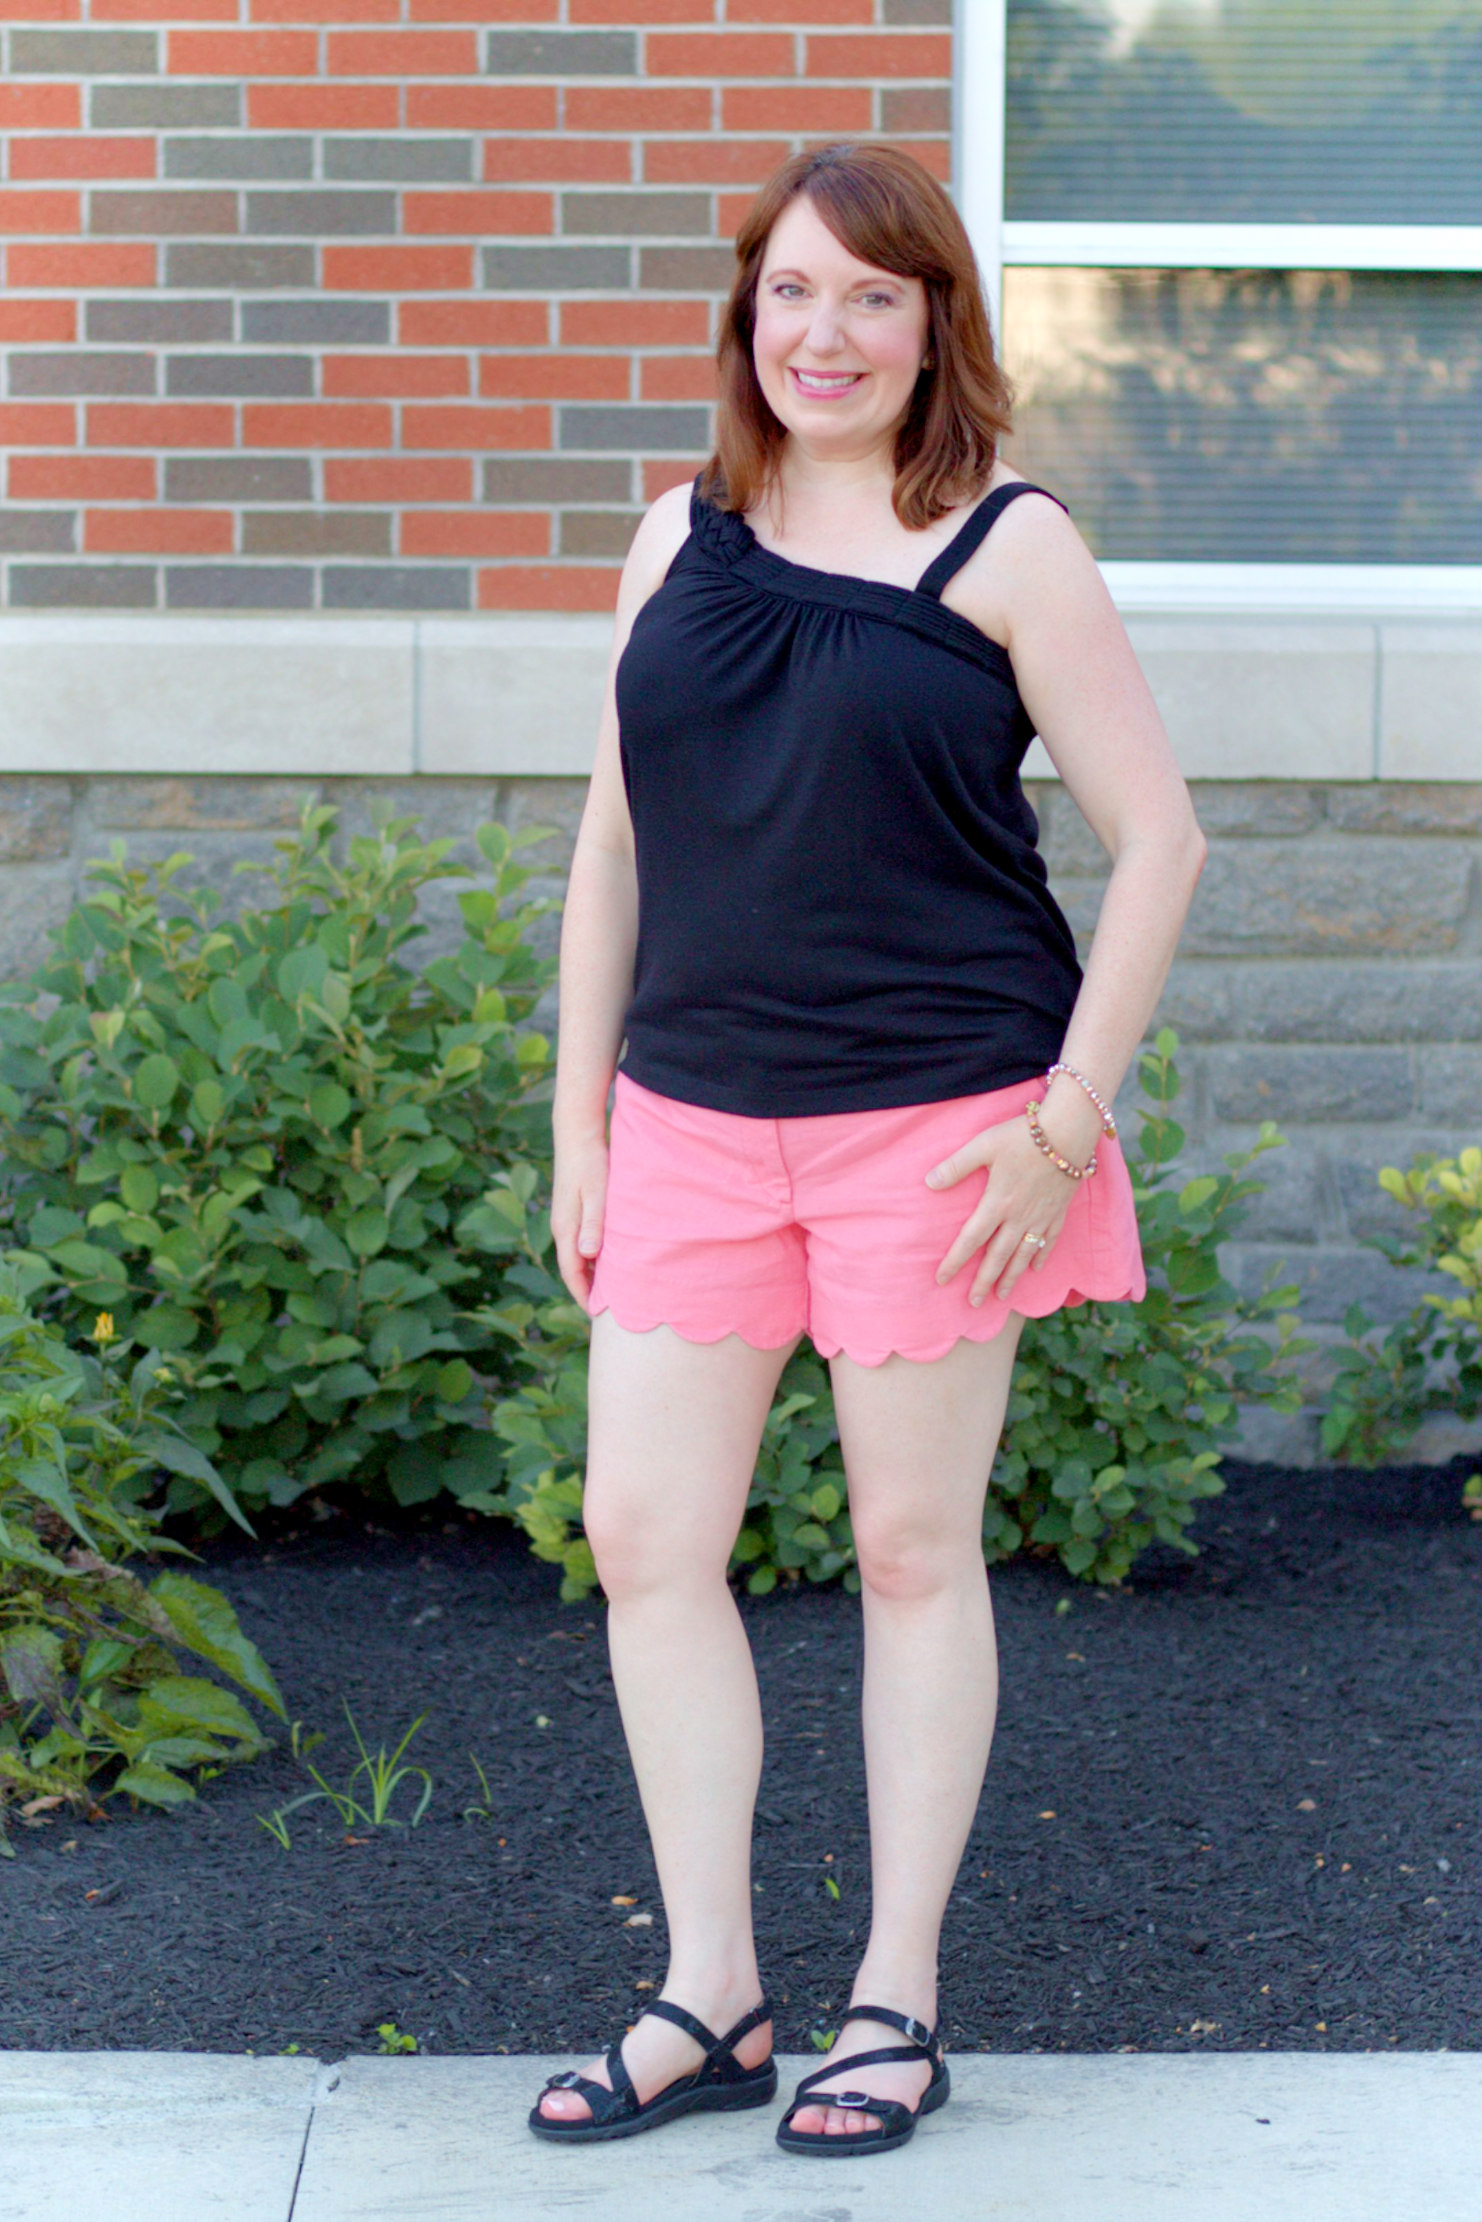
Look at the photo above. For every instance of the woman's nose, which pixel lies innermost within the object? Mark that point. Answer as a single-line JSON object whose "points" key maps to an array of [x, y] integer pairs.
{"points": [[825, 333]]}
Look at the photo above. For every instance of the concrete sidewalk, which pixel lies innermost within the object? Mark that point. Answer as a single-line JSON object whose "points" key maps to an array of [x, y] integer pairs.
{"points": [[1239, 2137]]}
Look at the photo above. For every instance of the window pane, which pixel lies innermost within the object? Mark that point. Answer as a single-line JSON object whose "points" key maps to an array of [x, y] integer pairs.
{"points": [[1247, 416], [1209, 111]]}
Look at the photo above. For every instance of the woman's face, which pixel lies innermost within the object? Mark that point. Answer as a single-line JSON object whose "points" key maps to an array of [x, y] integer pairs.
{"points": [[838, 344]]}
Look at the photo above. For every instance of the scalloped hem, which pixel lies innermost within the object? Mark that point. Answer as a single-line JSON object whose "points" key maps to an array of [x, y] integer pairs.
{"points": [[986, 1326], [633, 1324]]}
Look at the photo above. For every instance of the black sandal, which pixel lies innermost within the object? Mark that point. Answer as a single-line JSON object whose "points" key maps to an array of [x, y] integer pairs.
{"points": [[897, 2120], [719, 2085]]}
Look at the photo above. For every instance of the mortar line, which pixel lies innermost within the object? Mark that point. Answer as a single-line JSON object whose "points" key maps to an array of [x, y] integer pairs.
{"points": [[416, 695]]}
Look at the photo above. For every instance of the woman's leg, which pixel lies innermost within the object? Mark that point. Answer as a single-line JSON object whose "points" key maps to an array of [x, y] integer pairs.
{"points": [[673, 1439], [918, 1444]]}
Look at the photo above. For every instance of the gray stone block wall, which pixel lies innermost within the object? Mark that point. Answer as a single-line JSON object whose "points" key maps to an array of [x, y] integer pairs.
{"points": [[1330, 977]]}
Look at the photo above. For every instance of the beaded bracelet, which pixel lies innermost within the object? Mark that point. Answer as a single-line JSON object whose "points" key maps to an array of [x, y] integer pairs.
{"points": [[1041, 1142], [1108, 1123]]}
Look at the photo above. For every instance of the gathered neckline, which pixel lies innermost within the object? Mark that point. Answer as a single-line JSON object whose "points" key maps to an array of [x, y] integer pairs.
{"points": [[724, 533]]}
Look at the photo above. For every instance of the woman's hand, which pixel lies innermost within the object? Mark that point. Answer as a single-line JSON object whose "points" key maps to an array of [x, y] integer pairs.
{"points": [[578, 1203], [1025, 1194]]}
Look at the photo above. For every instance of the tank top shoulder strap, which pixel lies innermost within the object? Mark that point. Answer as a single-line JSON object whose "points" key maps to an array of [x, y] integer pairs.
{"points": [[973, 533]]}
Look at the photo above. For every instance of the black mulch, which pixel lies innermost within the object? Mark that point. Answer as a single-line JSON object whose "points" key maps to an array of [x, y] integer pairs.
{"points": [[1234, 1806]]}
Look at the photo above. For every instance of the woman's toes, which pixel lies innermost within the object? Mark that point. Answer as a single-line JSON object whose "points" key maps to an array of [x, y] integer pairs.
{"points": [[564, 2106]]}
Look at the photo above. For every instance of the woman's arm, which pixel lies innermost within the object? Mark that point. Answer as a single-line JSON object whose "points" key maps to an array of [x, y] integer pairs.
{"points": [[1036, 586], [1093, 709], [599, 931]]}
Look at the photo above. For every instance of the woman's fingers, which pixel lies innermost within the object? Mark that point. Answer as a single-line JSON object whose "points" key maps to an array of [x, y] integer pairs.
{"points": [[578, 1237], [969, 1159], [1014, 1203], [578, 1210], [1003, 1262], [971, 1236]]}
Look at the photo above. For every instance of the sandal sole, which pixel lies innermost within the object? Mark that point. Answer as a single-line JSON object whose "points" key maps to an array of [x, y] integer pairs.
{"points": [[723, 2098], [819, 2145]]}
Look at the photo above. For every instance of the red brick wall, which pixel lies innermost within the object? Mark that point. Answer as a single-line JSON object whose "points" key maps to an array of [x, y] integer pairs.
{"points": [[389, 304]]}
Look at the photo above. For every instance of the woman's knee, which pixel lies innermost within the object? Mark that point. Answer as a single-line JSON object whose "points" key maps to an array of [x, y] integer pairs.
{"points": [[905, 1558], [640, 1547]]}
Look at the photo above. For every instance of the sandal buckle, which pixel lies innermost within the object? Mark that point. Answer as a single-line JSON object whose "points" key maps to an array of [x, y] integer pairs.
{"points": [[917, 2031], [567, 2080]]}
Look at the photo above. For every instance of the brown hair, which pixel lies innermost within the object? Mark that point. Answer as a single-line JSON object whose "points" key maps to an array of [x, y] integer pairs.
{"points": [[886, 209]]}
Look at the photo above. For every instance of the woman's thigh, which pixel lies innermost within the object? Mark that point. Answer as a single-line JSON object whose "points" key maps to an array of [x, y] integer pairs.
{"points": [[918, 1443], [673, 1433]]}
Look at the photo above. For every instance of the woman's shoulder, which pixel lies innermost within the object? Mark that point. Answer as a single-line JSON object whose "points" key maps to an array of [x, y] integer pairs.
{"points": [[662, 531], [1032, 542]]}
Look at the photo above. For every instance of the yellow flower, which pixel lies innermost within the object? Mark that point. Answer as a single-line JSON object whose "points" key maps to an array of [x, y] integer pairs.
{"points": [[104, 1331]]}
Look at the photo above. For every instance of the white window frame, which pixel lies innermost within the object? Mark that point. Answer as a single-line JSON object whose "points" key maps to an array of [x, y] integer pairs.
{"points": [[980, 88]]}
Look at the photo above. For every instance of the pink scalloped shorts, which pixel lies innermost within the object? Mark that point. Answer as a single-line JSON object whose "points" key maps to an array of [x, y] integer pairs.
{"points": [[718, 1224]]}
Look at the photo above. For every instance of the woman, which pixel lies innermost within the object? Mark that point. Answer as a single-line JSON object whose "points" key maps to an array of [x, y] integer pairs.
{"points": [[806, 890]]}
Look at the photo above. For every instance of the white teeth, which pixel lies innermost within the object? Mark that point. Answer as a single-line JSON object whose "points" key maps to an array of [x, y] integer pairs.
{"points": [[824, 383]]}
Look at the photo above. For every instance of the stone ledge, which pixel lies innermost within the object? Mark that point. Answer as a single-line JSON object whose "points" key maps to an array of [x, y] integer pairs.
{"points": [[1259, 695]]}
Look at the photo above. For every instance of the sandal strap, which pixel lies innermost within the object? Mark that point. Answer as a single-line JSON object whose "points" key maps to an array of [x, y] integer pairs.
{"points": [[604, 2105], [882, 2053], [746, 2024], [908, 2026], [664, 2009], [617, 2069], [892, 2114]]}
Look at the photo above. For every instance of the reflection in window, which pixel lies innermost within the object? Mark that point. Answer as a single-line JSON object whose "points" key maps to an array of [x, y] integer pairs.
{"points": [[1222, 111], [1252, 415]]}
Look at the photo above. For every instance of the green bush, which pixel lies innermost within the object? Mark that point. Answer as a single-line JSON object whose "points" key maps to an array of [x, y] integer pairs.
{"points": [[91, 1681], [1389, 1380], [254, 1140], [1117, 1419]]}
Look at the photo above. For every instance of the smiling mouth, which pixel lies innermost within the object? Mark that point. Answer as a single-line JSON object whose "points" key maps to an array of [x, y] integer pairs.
{"points": [[824, 385]]}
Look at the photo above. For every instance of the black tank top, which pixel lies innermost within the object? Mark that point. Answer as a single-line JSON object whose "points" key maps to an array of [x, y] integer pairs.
{"points": [[840, 902]]}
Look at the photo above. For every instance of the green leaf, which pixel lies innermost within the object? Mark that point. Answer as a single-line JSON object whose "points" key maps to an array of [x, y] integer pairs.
{"points": [[189, 1702], [84, 1261], [454, 1381], [205, 1623], [19, 1547], [139, 1188], [466, 1058], [46, 1478], [155, 1080], [338, 1384], [226, 1000], [329, 1104], [303, 971], [167, 1327], [207, 1102], [414, 1475], [31, 1661], [366, 1231], [156, 1785], [179, 1456]]}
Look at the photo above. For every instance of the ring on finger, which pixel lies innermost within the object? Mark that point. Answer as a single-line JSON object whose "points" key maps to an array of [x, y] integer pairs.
{"points": [[1035, 1241]]}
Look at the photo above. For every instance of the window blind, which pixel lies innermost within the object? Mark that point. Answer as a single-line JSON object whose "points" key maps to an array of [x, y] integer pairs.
{"points": [[1281, 111], [1253, 416]]}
